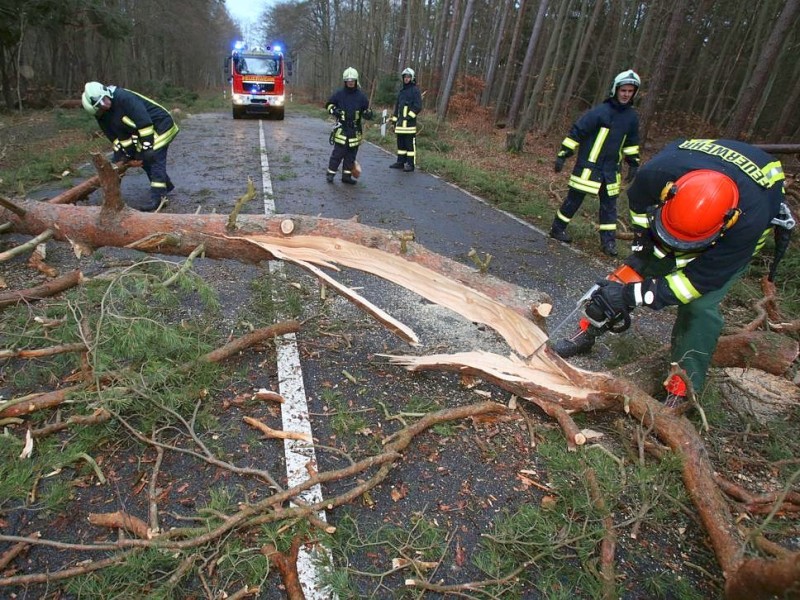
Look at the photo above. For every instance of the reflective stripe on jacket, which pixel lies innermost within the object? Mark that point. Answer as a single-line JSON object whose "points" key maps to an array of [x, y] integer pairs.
{"points": [[135, 122], [759, 178], [602, 137], [406, 109]]}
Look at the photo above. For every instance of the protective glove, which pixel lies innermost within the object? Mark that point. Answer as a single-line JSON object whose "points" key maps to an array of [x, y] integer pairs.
{"points": [[617, 297], [560, 160], [368, 114], [332, 110], [632, 169]]}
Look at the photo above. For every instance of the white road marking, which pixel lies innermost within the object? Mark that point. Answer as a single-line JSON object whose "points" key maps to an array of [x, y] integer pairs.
{"points": [[300, 456]]}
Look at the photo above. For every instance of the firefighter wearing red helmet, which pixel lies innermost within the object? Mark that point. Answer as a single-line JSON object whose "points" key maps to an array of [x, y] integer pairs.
{"points": [[701, 209]]}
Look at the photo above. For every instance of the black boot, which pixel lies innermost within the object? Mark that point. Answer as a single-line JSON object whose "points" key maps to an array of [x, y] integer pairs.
{"points": [[558, 231], [578, 344], [348, 178], [408, 168], [329, 177], [609, 245], [397, 165]]}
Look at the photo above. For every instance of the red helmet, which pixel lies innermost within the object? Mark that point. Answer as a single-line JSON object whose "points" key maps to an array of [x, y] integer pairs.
{"points": [[697, 209]]}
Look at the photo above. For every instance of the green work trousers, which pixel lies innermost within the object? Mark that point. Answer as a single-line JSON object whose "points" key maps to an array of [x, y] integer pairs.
{"points": [[698, 326]]}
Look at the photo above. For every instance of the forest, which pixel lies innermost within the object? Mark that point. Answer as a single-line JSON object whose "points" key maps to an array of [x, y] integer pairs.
{"points": [[731, 67]]}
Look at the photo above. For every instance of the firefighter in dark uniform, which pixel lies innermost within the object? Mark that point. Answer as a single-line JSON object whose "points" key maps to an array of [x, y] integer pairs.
{"points": [[602, 136], [404, 120], [348, 105], [701, 209], [138, 128]]}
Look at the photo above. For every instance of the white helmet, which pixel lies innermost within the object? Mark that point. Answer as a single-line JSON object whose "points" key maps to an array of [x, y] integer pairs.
{"points": [[628, 77], [93, 93], [408, 71], [350, 73]]}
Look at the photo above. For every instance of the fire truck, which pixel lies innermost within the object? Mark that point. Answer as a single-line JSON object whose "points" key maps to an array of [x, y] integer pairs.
{"points": [[257, 78]]}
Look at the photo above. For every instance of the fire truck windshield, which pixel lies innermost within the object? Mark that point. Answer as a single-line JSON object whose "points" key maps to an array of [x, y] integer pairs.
{"points": [[257, 65]]}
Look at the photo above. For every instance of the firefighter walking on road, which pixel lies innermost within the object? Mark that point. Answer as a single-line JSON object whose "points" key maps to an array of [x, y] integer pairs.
{"points": [[404, 121], [701, 209], [601, 137], [349, 105], [138, 128]]}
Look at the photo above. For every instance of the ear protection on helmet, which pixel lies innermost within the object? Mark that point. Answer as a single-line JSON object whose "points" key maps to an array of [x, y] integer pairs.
{"points": [[696, 210]]}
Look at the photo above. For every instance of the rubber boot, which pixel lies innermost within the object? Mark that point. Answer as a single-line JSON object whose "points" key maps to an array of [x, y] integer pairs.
{"points": [[155, 202], [558, 231], [398, 164], [329, 177], [581, 343], [409, 167], [348, 178], [608, 244]]}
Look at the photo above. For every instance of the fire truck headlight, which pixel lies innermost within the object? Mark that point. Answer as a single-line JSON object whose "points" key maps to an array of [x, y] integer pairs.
{"points": [[279, 100], [238, 98]]}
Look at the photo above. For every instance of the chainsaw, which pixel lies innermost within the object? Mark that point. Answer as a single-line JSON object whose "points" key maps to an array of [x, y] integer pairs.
{"points": [[597, 316]]}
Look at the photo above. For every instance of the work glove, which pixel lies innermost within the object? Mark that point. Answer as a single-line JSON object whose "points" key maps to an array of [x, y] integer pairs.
{"points": [[560, 160], [617, 297], [368, 114], [632, 169]]}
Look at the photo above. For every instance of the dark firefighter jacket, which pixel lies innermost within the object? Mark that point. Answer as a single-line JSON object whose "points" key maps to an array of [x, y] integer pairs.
{"points": [[134, 122], [759, 177], [406, 109], [602, 136], [349, 106]]}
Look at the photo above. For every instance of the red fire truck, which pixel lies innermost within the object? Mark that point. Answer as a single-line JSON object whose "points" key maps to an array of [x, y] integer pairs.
{"points": [[258, 80]]}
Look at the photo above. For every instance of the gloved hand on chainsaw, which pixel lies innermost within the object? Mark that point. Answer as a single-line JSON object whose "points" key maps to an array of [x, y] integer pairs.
{"points": [[614, 299]]}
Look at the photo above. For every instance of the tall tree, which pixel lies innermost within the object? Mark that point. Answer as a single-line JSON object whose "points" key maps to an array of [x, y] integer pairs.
{"points": [[659, 75], [527, 63], [744, 116], [444, 100]]}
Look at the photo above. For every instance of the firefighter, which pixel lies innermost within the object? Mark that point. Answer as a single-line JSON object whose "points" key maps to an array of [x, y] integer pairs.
{"points": [[601, 136], [404, 121], [138, 128], [701, 209], [349, 105]]}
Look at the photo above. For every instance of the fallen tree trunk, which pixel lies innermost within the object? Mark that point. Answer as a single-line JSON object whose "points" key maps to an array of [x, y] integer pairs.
{"points": [[180, 234], [764, 350]]}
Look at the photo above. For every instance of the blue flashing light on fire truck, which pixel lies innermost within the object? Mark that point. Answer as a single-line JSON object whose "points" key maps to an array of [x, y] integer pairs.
{"points": [[257, 77]]}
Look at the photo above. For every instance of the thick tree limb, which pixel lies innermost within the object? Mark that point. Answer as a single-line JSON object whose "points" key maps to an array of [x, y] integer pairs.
{"points": [[83, 189], [51, 288], [765, 350], [122, 520]]}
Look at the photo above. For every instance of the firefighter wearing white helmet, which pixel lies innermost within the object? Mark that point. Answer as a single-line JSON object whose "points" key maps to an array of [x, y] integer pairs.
{"points": [[601, 137], [404, 120], [138, 128], [348, 105], [628, 77]]}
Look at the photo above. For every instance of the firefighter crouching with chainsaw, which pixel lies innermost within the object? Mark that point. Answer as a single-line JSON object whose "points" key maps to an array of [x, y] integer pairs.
{"points": [[348, 105], [138, 128], [700, 209]]}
